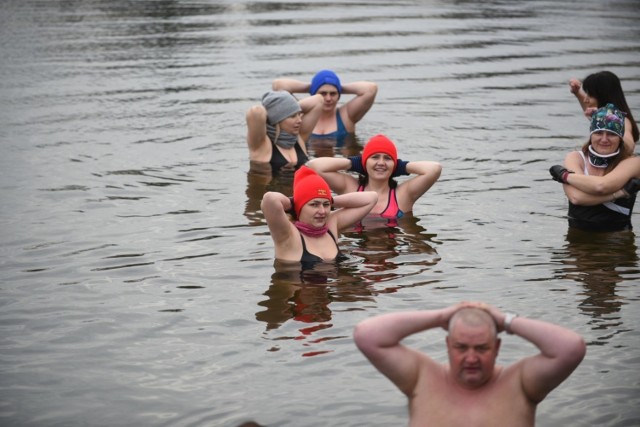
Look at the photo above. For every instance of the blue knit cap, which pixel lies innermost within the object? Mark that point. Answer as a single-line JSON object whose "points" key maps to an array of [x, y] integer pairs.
{"points": [[608, 118], [325, 77]]}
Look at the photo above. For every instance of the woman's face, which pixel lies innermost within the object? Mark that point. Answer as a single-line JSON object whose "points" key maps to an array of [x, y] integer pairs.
{"points": [[380, 166], [604, 142], [315, 212], [292, 124], [330, 96]]}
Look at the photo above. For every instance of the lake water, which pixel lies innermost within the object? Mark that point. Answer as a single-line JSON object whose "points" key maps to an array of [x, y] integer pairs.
{"points": [[137, 278]]}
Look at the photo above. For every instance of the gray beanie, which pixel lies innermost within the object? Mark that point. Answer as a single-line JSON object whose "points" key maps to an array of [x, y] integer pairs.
{"points": [[279, 105]]}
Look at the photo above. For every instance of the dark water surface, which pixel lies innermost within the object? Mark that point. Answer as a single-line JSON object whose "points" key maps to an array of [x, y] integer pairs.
{"points": [[137, 277]]}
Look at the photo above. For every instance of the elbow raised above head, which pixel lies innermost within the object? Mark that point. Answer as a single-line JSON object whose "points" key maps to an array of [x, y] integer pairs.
{"points": [[256, 111], [577, 350], [316, 164], [269, 196], [328, 164], [438, 168], [361, 336], [278, 84], [357, 334], [582, 348], [432, 169]]}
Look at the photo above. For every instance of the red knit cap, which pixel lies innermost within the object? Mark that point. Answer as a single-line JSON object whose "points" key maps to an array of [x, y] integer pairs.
{"points": [[379, 144], [308, 185]]}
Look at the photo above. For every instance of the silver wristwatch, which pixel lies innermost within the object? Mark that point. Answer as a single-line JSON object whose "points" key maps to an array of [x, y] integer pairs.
{"points": [[508, 318]]}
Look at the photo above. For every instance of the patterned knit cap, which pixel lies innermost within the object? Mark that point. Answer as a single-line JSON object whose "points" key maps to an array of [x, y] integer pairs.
{"points": [[609, 119]]}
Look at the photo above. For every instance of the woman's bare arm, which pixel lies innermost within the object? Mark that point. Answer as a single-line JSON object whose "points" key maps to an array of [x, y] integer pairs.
{"points": [[329, 168]]}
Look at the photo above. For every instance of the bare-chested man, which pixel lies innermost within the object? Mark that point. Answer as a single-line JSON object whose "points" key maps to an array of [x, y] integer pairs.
{"points": [[470, 390]]}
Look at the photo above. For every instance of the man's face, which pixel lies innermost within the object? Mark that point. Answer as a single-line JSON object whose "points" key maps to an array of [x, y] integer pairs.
{"points": [[472, 354]]}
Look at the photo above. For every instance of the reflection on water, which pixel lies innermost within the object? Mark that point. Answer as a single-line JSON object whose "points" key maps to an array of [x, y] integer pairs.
{"points": [[599, 261], [304, 293], [261, 179], [390, 253], [331, 146]]}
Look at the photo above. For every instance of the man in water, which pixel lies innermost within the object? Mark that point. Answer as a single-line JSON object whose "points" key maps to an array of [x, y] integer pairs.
{"points": [[471, 390]]}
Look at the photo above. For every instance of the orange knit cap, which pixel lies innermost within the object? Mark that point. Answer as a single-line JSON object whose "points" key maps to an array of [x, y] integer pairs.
{"points": [[308, 185], [379, 144]]}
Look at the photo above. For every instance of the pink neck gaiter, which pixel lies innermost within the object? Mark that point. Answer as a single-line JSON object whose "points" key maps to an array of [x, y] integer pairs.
{"points": [[309, 230]]}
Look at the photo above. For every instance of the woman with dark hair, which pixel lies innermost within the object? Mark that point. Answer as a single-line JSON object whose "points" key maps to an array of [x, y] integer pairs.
{"points": [[602, 88], [601, 180], [378, 166]]}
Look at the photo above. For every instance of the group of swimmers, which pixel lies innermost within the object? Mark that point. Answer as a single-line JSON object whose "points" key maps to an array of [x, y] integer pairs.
{"points": [[600, 180], [278, 131]]}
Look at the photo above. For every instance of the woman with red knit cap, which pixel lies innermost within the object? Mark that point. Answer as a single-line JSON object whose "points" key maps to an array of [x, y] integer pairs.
{"points": [[378, 166], [312, 236]]}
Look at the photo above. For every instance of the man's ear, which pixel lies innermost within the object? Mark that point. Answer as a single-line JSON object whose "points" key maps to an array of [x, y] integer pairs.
{"points": [[498, 342]]}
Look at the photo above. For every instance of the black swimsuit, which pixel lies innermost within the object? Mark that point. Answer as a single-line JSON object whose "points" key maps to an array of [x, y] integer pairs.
{"points": [[308, 257], [602, 217], [278, 161]]}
